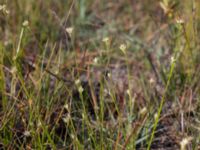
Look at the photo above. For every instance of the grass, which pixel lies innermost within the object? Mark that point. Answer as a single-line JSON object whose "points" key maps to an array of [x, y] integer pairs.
{"points": [[99, 74]]}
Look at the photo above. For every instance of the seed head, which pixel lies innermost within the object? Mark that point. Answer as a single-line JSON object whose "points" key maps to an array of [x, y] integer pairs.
{"points": [[179, 21], [155, 116], [172, 59], [143, 111], [14, 70], [151, 81], [96, 60], [69, 30], [66, 106], [27, 133], [80, 89], [77, 82], [185, 142], [25, 23], [4, 9], [72, 136], [128, 92], [123, 48], [109, 75], [66, 118], [39, 124], [106, 40]]}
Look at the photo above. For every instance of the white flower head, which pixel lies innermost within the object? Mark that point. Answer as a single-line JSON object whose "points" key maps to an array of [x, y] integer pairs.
{"points": [[66, 119], [39, 124], [185, 142], [77, 82], [180, 21], [96, 59], [4, 9], [14, 70], [7, 11], [151, 81], [83, 115], [72, 136], [80, 89], [173, 59], [128, 92], [27, 133], [69, 30], [25, 23], [106, 40], [109, 75], [66, 106], [57, 72], [123, 48], [143, 111], [155, 116]]}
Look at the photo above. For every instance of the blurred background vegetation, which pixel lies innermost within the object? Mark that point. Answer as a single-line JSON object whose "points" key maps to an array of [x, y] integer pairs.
{"points": [[99, 74]]}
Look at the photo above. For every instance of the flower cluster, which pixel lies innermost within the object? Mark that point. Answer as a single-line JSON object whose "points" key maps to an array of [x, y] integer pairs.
{"points": [[4, 9], [78, 84], [123, 48]]}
